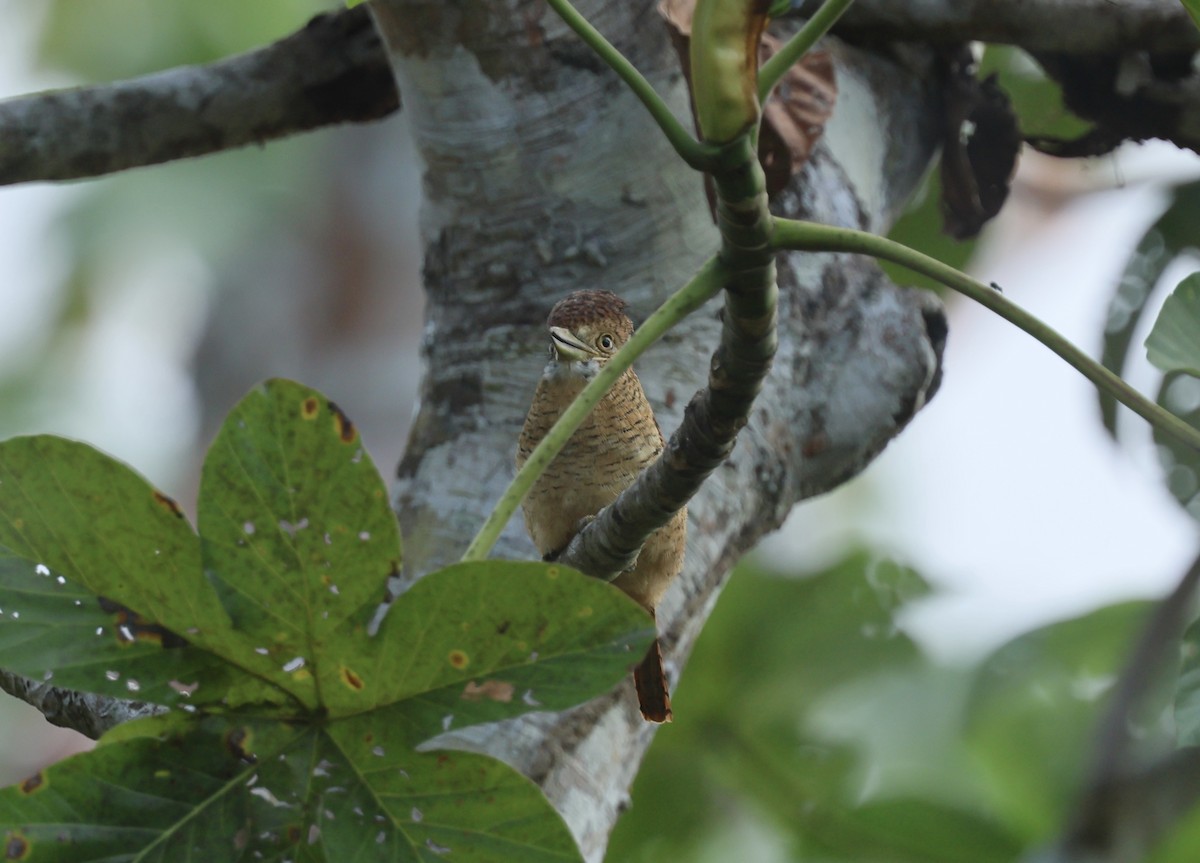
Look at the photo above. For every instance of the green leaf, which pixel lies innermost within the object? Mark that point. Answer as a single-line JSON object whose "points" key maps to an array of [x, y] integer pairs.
{"points": [[1179, 393], [920, 228], [1182, 843], [298, 535], [495, 634], [1174, 343], [1193, 9], [1033, 709], [94, 521], [57, 631], [177, 790], [1170, 236]]}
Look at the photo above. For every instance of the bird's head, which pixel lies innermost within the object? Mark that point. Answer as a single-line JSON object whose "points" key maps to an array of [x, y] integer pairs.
{"points": [[587, 328]]}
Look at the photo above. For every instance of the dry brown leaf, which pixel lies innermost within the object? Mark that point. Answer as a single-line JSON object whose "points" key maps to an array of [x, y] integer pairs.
{"points": [[794, 117]]}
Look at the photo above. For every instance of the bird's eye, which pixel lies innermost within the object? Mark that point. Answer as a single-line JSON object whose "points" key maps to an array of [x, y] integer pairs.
{"points": [[606, 342]]}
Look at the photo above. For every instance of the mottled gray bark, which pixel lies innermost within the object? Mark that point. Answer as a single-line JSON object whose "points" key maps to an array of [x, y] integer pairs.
{"points": [[85, 712], [542, 176]]}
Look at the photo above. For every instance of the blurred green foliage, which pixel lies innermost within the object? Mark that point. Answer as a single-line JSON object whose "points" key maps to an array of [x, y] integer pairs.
{"points": [[806, 713], [108, 39], [207, 210]]}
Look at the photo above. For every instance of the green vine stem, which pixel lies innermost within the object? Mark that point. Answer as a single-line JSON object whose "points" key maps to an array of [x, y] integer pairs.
{"points": [[818, 25], [811, 237], [705, 285], [698, 155]]}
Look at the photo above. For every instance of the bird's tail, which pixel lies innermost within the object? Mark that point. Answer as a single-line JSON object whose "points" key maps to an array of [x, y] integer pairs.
{"points": [[651, 683]]}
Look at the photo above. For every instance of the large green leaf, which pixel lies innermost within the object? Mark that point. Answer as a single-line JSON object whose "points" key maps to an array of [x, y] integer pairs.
{"points": [[57, 631], [167, 789], [98, 524], [298, 537], [333, 773]]}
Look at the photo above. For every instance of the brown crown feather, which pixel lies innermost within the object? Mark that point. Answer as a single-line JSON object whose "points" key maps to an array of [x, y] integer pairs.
{"points": [[591, 307]]}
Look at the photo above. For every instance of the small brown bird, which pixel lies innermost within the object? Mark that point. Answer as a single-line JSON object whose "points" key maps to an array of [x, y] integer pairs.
{"points": [[615, 443]]}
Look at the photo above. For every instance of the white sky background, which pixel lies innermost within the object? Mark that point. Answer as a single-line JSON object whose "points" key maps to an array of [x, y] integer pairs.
{"points": [[1005, 491]]}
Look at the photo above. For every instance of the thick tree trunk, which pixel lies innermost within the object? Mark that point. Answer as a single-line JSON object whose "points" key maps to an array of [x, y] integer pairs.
{"points": [[544, 175]]}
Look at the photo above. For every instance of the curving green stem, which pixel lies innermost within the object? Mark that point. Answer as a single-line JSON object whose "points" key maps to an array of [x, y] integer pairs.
{"points": [[818, 25], [698, 155], [811, 237], [705, 285]]}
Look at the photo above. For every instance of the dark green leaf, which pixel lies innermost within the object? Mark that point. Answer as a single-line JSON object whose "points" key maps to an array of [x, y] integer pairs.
{"points": [[57, 631], [94, 521], [1175, 231], [1174, 343], [499, 638], [167, 789]]}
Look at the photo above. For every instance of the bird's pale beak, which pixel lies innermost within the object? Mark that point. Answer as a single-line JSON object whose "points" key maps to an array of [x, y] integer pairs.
{"points": [[567, 346]]}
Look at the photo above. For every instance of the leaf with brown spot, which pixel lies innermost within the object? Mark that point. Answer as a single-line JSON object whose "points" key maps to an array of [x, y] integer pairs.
{"points": [[496, 690], [168, 503]]}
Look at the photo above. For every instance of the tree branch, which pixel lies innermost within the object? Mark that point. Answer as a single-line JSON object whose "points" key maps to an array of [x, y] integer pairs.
{"points": [[85, 712], [1074, 26], [334, 70]]}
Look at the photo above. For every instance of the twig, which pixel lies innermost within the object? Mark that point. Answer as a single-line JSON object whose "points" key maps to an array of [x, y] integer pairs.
{"points": [[702, 287]]}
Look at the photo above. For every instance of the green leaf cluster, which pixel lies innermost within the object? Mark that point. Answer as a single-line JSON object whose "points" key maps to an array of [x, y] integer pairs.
{"points": [[291, 733]]}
